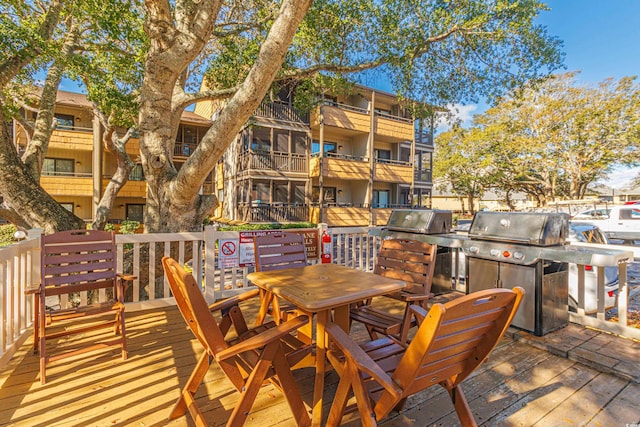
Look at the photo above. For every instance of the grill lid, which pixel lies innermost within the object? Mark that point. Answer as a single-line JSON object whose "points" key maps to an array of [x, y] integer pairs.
{"points": [[423, 221], [533, 228]]}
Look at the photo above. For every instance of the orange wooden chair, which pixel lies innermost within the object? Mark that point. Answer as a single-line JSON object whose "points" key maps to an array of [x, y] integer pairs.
{"points": [[451, 342], [72, 263], [403, 259], [263, 354], [277, 252]]}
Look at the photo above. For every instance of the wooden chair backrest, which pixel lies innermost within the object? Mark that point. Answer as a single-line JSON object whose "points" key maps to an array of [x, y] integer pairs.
{"points": [[409, 260], [279, 251], [193, 307], [455, 338], [78, 260]]}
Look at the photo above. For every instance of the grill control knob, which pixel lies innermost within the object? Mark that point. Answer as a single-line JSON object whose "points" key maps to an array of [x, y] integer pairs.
{"points": [[494, 252], [518, 255], [473, 250]]}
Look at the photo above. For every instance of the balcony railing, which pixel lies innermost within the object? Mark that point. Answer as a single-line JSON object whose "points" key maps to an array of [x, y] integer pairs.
{"points": [[184, 149], [274, 212], [346, 107], [392, 117], [67, 174], [392, 162], [281, 111], [425, 138], [280, 162]]}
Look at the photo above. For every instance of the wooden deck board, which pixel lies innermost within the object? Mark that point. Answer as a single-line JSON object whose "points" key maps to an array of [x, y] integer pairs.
{"points": [[518, 386]]}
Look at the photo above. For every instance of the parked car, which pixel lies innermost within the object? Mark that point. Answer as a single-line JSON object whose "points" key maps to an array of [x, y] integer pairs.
{"points": [[587, 233], [592, 214]]}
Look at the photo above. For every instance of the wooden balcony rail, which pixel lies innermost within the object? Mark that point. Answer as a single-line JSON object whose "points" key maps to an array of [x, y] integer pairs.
{"points": [[346, 107], [425, 138], [281, 111], [67, 174], [342, 156], [184, 149], [393, 162], [274, 212], [281, 162], [392, 117]]}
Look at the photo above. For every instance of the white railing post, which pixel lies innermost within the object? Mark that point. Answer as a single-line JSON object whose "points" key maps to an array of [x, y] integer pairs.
{"points": [[210, 263]]}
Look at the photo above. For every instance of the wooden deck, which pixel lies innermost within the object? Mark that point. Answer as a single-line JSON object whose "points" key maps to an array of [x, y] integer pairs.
{"points": [[518, 385]]}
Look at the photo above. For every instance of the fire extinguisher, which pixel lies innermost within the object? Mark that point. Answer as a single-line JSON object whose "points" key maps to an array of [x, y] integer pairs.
{"points": [[326, 248]]}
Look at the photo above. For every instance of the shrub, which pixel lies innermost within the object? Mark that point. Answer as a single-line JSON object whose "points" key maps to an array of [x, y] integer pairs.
{"points": [[6, 234]]}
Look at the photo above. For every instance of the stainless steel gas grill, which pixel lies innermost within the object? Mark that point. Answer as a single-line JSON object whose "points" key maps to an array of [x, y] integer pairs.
{"points": [[508, 249], [430, 226]]}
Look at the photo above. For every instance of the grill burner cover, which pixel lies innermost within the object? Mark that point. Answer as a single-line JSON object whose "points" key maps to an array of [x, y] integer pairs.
{"points": [[423, 221], [532, 228]]}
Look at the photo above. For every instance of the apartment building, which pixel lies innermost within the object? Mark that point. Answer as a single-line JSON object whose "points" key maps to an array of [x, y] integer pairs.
{"points": [[348, 163], [77, 169]]}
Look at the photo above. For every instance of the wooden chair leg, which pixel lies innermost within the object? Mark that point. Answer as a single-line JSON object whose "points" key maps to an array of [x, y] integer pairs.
{"points": [[290, 389], [367, 416], [462, 407], [340, 400], [36, 322], [186, 401], [253, 385], [123, 336]]}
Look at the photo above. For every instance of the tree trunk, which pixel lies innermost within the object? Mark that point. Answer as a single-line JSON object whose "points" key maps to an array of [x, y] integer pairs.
{"points": [[173, 202]]}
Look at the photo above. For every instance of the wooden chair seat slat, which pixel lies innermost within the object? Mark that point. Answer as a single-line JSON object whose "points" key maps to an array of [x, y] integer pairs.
{"points": [[382, 374], [73, 262], [253, 357]]}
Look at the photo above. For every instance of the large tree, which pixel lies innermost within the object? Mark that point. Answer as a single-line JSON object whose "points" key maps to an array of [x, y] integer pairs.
{"points": [[82, 40], [554, 139], [432, 51]]}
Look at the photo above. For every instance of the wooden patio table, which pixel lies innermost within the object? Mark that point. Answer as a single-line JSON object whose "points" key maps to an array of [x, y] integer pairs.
{"points": [[319, 289]]}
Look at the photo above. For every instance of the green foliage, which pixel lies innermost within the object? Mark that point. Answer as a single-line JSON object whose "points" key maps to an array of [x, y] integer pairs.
{"points": [[109, 227], [129, 227], [6, 234]]}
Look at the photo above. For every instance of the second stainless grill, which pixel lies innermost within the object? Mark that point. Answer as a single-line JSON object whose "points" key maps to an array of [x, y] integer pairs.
{"points": [[508, 249]]}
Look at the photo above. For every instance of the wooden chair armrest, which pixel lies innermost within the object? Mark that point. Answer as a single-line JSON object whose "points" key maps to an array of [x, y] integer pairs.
{"points": [[234, 300], [418, 312], [355, 354], [263, 338], [406, 296], [32, 289], [126, 277]]}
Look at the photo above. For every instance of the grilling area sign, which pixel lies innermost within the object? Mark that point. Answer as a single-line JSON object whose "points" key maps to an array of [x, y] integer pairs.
{"points": [[246, 258]]}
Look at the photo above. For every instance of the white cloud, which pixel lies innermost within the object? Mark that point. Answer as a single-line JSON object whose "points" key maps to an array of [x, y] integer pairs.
{"points": [[458, 114], [621, 177]]}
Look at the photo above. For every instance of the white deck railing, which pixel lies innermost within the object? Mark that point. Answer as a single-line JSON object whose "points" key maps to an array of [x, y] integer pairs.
{"points": [[353, 247]]}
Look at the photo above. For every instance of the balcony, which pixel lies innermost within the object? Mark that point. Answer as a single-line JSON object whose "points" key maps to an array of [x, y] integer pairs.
{"points": [[184, 149], [340, 167], [394, 127], [394, 171], [274, 212], [68, 184], [281, 111], [75, 138], [277, 162], [131, 188], [424, 138], [341, 215], [346, 117]]}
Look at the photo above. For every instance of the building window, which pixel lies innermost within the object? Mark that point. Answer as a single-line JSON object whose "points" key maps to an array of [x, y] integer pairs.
{"points": [[135, 212], [58, 167], [261, 139], [136, 174], [64, 121], [67, 206], [329, 195], [383, 156], [380, 199], [329, 147]]}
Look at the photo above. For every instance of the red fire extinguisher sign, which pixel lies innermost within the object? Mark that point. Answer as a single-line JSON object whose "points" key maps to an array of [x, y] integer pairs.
{"points": [[326, 248]]}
